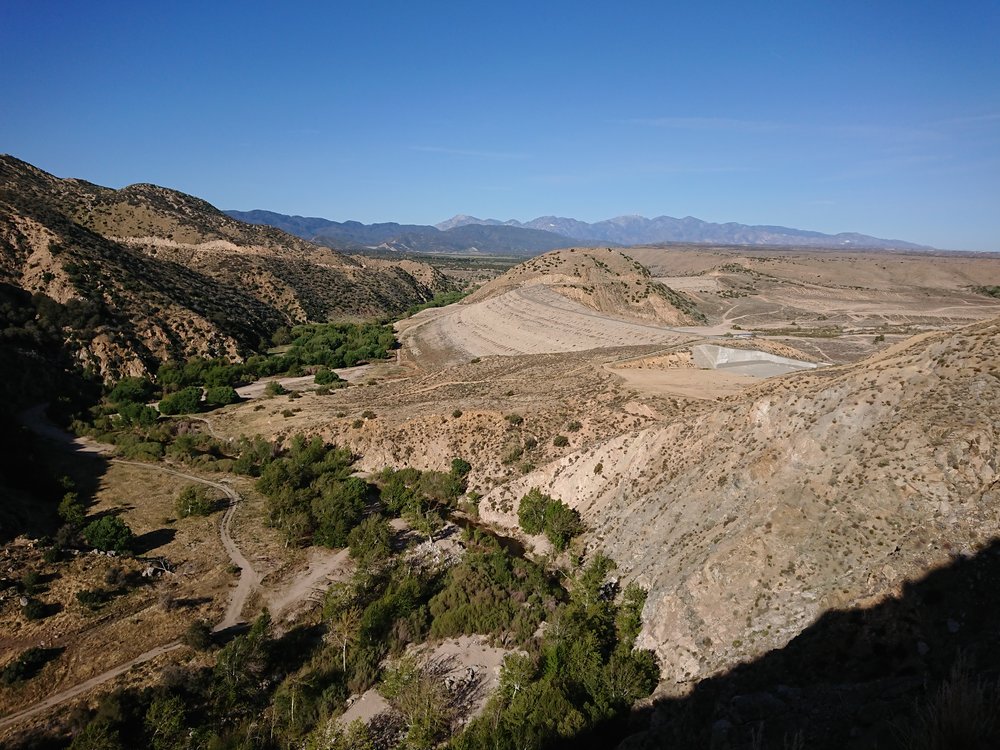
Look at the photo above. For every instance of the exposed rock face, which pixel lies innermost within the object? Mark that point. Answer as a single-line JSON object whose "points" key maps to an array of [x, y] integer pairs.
{"points": [[154, 274], [811, 492]]}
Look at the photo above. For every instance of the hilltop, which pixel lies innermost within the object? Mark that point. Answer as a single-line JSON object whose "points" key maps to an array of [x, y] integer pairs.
{"points": [[605, 280]]}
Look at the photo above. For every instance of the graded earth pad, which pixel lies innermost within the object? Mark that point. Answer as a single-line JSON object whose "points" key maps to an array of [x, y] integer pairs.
{"points": [[751, 362]]}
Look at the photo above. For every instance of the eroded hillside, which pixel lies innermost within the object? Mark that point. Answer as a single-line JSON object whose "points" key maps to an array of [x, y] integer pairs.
{"points": [[807, 493], [156, 274]]}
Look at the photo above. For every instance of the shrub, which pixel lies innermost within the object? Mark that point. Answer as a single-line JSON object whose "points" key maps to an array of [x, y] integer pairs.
{"points": [[560, 441], [185, 401], [109, 533], [574, 426], [194, 501], [198, 636], [30, 582], [135, 390], [368, 414], [34, 610], [274, 388], [514, 419], [25, 666], [221, 395], [457, 413], [326, 376], [93, 598], [71, 510]]}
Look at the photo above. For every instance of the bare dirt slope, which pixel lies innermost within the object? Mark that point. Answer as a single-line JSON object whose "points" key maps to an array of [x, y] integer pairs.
{"points": [[605, 280], [536, 319], [808, 492]]}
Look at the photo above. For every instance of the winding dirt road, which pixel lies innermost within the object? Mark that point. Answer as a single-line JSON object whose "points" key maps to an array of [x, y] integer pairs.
{"points": [[248, 581]]}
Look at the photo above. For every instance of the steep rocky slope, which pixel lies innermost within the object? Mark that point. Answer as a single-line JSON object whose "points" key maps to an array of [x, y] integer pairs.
{"points": [[155, 273], [605, 280], [810, 492]]}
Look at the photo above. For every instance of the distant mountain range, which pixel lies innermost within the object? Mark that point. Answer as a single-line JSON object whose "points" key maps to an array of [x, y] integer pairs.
{"points": [[638, 230], [414, 238], [468, 234]]}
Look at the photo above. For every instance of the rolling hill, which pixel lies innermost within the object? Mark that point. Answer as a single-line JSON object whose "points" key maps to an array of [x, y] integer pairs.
{"points": [[149, 273]]}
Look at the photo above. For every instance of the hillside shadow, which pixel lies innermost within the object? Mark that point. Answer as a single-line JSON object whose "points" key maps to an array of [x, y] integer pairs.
{"points": [[860, 679], [32, 467]]}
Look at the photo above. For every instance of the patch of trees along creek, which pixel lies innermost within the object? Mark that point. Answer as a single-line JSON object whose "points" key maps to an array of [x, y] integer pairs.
{"points": [[569, 631]]}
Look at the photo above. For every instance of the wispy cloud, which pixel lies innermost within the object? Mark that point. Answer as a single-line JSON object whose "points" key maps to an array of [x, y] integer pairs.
{"points": [[708, 123], [984, 119], [677, 169], [475, 153], [835, 129]]}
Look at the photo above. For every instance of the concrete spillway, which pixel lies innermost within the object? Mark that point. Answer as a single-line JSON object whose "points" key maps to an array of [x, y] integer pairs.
{"points": [[746, 361]]}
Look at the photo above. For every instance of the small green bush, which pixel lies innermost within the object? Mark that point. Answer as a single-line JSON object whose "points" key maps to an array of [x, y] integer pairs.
{"points": [[194, 500], [274, 388], [34, 610], [560, 441], [326, 376], [108, 534]]}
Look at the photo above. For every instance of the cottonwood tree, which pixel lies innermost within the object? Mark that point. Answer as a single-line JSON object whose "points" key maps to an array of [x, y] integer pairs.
{"points": [[344, 629]]}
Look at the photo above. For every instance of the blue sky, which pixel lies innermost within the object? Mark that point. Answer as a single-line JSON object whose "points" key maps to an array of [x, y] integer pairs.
{"points": [[876, 117]]}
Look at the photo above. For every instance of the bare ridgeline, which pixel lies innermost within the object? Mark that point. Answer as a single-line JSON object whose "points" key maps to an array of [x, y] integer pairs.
{"points": [[793, 451]]}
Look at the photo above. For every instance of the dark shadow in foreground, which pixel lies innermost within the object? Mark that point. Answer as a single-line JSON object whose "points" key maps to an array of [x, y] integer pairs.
{"points": [[918, 671]]}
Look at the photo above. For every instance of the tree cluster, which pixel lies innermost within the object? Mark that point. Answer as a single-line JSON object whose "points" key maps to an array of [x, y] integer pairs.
{"points": [[539, 513]]}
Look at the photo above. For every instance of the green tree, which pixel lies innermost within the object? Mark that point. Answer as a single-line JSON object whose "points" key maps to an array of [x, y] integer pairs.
{"points": [[71, 510], [134, 390], [194, 501], [185, 401], [338, 510], [97, 735], [422, 701], [460, 468], [344, 629], [165, 723], [561, 523], [370, 541], [531, 511], [109, 533], [221, 395]]}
